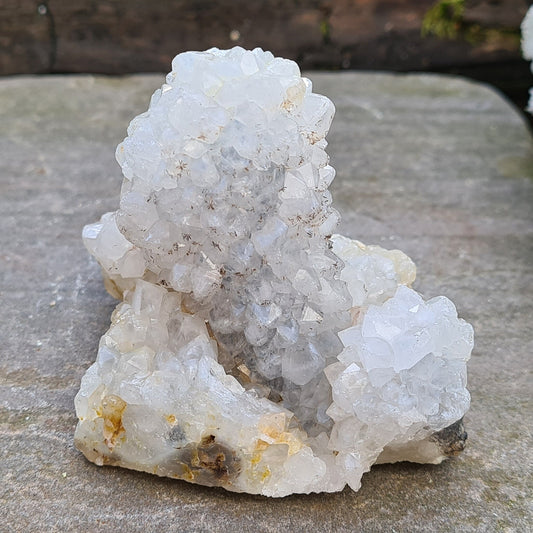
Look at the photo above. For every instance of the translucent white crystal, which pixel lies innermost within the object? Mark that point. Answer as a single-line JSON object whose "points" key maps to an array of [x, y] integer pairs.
{"points": [[252, 349], [527, 46]]}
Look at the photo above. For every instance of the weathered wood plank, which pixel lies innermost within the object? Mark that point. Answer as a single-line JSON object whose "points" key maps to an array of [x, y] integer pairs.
{"points": [[120, 36]]}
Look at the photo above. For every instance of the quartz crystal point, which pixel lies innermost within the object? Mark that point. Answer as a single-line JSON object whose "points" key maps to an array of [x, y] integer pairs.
{"points": [[252, 349]]}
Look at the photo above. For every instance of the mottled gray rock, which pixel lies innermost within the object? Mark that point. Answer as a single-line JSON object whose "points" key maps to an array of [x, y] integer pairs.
{"points": [[439, 167]]}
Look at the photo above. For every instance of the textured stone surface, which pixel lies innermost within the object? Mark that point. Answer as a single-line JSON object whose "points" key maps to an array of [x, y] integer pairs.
{"points": [[453, 152]]}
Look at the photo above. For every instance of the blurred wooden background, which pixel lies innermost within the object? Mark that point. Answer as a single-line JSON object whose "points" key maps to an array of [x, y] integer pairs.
{"points": [[476, 38]]}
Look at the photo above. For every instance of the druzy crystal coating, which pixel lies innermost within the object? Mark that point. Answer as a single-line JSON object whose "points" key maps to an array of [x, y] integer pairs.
{"points": [[253, 348]]}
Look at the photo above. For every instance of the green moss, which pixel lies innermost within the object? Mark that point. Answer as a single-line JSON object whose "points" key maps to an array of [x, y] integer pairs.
{"points": [[325, 31], [444, 19], [513, 166]]}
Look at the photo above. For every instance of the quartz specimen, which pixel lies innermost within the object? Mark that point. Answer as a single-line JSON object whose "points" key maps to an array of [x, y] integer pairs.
{"points": [[253, 348], [527, 47]]}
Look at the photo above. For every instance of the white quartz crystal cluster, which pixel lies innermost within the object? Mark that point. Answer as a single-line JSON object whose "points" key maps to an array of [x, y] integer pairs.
{"points": [[527, 46], [253, 349]]}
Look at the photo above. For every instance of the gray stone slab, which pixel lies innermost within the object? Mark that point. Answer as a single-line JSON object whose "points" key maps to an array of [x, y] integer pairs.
{"points": [[440, 167]]}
